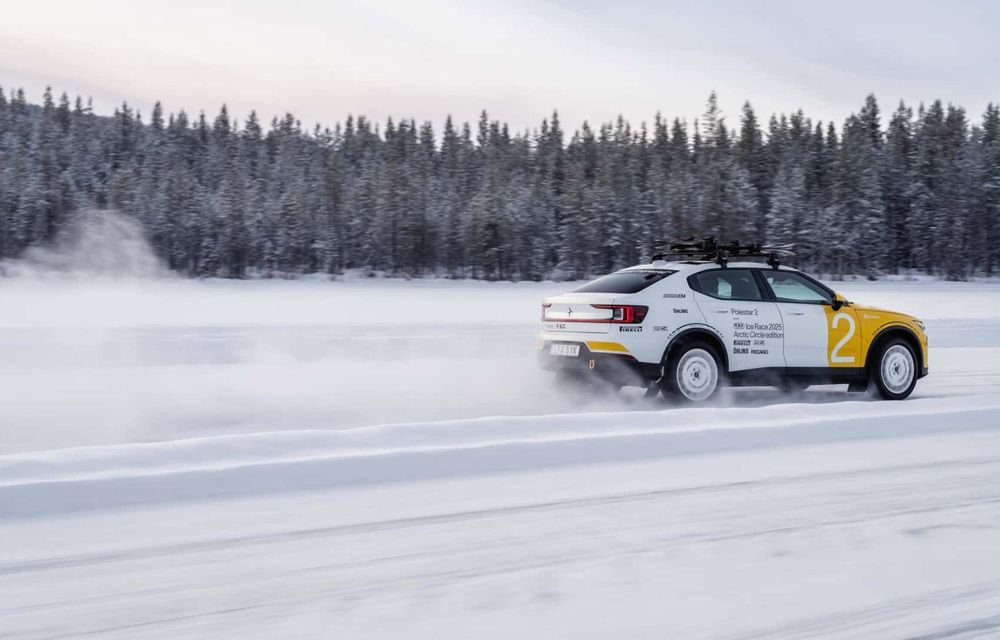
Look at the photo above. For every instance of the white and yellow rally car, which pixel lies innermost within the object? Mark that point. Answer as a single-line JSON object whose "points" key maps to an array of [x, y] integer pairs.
{"points": [[689, 326]]}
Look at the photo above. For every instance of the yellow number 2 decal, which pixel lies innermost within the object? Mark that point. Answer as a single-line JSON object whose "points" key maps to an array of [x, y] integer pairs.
{"points": [[835, 354]]}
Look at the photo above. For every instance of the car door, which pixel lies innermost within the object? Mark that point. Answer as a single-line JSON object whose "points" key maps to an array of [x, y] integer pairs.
{"points": [[732, 302], [816, 335]]}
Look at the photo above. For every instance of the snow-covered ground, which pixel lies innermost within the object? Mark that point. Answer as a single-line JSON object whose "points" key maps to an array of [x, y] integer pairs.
{"points": [[383, 459]]}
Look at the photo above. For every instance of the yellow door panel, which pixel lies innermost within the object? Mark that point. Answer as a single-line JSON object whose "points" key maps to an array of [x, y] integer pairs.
{"points": [[843, 340]]}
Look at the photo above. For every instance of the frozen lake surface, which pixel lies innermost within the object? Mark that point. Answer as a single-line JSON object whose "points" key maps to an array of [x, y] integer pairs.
{"points": [[383, 459]]}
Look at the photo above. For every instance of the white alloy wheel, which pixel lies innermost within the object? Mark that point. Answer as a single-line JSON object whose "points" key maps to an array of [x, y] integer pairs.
{"points": [[897, 369], [697, 374]]}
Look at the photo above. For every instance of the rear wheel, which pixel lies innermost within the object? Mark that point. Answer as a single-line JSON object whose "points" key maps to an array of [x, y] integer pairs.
{"points": [[894, 371], [692, 374]]}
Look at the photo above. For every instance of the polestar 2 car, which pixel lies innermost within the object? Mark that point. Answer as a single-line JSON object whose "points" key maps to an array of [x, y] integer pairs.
{"points": [[686, 328]]}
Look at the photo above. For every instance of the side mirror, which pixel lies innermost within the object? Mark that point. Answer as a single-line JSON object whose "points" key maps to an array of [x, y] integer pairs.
{"points": [[838, 301]]}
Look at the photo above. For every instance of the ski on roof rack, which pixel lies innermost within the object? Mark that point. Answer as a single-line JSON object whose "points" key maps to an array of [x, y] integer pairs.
{"points": [[710, 250]]}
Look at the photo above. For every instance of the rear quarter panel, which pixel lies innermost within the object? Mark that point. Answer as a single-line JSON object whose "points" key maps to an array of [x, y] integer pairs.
{"points": [[671, 309]]}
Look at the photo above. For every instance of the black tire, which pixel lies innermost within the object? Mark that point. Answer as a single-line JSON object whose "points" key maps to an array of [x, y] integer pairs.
{"points": [[892, 374], [693, 373]]}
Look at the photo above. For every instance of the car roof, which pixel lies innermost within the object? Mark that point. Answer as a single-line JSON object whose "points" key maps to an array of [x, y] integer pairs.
{"points": [[693, 266]]}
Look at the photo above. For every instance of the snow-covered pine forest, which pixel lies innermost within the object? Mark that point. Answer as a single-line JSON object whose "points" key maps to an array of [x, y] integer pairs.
{"points": [[918, 189]]}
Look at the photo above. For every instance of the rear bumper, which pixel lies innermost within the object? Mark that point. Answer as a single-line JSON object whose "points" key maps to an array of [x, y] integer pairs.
{"points": [[620, 368]]}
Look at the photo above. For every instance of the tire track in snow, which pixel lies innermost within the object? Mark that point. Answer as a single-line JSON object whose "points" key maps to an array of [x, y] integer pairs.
{"points": [[63, 562], [478, 564], [854, 621]]}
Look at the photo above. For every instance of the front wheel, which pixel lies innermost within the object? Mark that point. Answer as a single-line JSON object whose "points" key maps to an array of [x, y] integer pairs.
{"points": [[692, 373], [894, 372]]}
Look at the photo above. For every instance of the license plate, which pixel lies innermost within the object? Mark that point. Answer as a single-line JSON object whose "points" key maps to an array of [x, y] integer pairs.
{"points": [[568, 350]]}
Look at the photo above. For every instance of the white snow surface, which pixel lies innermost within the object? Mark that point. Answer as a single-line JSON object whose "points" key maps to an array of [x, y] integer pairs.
{"points": [[383, 459]]}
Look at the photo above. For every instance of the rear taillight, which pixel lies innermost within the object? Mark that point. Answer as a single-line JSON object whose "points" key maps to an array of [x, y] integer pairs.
{"points": [[545, 307], [624, 313]]}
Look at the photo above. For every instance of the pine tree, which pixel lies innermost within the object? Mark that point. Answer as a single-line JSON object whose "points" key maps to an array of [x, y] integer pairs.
{"points": [[753, 159], [928, 187], [217, 198], [956, 187], [987, 223], [897, 187], [786, 220], [860, 214]]}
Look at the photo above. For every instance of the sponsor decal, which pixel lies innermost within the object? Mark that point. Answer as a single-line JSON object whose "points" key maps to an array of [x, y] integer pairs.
{"points": [[758, 331], [630, 329], [676, 310], [661, 327], [752, 338], [741, 349], [674, 295]]}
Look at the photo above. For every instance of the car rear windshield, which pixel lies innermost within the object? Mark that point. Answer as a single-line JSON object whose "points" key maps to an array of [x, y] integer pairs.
{"points": [[632, 281]]}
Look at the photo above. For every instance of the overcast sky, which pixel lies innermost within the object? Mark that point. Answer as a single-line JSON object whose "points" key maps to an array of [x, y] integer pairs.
{"points": [[519, 59]]}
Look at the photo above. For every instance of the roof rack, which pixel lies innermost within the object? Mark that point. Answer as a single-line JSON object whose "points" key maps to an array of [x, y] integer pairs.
{"points": [[710, 250]]}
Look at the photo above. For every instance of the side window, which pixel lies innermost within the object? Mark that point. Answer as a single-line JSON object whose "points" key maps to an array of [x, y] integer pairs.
{"points": [[728, 284], [791, 287]]}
